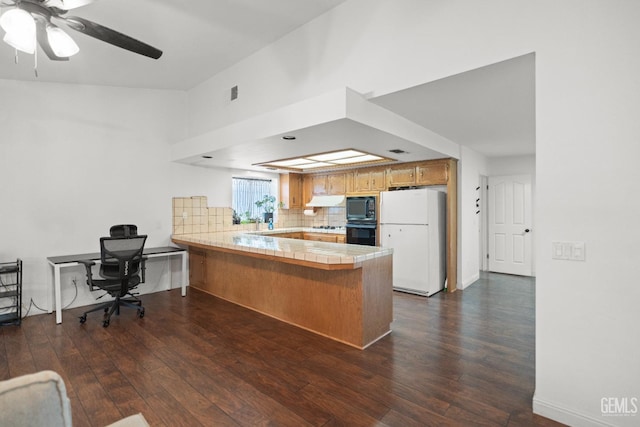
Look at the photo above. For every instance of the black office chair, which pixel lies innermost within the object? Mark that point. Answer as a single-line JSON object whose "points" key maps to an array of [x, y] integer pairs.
{"points": [[123, 230], [122, 267]]}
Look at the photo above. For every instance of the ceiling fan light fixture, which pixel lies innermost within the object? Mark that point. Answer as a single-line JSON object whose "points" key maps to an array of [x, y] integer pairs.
{"points": [[17, 20], [20, 30], [61, 43]]}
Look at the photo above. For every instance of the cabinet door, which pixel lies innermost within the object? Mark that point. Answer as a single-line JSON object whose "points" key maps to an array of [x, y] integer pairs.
{"points": [[320, 237], [377, 180], [431, 174], [295, 190], [337, 184], [341, 238], [402, 176], [361, 181], [197, 268], [307, 189], [319, 184], [292, 235], [349, 184], [291, 190]]}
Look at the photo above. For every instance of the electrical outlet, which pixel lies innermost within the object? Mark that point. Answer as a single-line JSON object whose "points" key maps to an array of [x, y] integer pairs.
{"points": [[184, 215]]}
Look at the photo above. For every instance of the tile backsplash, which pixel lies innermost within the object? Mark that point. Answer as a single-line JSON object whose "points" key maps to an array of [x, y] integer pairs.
{"points": [[191, 215]]}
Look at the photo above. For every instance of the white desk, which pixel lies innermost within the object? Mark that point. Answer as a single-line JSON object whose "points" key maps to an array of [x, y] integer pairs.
{"points": [[57, 263]]}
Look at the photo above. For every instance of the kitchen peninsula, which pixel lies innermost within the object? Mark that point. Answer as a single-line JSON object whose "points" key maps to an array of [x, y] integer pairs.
{"points": [[340, 291]]}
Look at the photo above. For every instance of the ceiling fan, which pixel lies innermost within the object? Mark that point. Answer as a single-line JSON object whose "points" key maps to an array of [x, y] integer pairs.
{"points": [[29, 21]]}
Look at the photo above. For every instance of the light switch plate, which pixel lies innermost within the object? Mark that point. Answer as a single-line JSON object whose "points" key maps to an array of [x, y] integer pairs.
{"points": [[578, 251], [574, 251], [556, 250]]}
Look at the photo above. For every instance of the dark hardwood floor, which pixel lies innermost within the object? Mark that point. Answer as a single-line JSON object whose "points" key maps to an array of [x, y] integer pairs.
{"points": [[465, 358]]}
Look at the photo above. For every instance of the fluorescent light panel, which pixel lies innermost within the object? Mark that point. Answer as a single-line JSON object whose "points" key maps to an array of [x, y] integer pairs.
{"points": [[336, 155], [329, 160], [358, 159]]}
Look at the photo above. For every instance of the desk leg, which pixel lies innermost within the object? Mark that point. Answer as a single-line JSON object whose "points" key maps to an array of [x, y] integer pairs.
{"points": [[185, 276], [57, 293], [52, 291]]}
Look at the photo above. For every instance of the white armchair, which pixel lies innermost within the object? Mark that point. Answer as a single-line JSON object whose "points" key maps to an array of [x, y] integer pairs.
{"points": [[40, 399]]}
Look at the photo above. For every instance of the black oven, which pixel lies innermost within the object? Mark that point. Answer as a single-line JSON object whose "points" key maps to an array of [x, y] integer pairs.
{"points": [[361, 220], [361, 233]]}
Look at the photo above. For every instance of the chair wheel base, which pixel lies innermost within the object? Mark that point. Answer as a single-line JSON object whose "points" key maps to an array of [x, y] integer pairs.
{"points": [[83, 318], [105, 323], [141, 313]]}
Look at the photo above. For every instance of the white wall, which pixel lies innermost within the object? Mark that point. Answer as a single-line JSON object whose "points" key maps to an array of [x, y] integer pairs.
{"points": [[76, 159], [587, 131], [472, 166], [512, 165]]}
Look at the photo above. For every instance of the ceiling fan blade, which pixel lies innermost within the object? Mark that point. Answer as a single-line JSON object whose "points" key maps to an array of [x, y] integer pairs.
{"points": [[66, 4], [113, 37], [43, 41]]}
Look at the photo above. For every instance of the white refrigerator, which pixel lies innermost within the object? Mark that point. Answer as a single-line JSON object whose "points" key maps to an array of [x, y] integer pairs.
{"points": [[412, 222]]}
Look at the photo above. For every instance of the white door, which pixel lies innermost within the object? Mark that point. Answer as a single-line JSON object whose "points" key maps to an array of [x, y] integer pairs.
{"points": [[510, 227]]}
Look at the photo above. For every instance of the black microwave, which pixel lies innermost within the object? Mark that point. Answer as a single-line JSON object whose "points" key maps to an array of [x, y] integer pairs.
{"points": [[361, 208]]}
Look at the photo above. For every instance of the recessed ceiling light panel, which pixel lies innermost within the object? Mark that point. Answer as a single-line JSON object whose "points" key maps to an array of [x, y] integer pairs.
{"points": [[291, 162], [336, 155], [358, 159], [330, 160]]}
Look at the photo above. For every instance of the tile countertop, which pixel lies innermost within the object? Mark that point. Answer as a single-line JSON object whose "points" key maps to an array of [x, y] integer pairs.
{"points": [[261, 242]]}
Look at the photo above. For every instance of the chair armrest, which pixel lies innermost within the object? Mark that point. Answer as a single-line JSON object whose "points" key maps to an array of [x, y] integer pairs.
{"points": [[38, 399], [88, 264]]}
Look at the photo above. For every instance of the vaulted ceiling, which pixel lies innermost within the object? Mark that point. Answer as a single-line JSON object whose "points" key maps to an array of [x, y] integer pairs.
{"points": [[490, 109]]}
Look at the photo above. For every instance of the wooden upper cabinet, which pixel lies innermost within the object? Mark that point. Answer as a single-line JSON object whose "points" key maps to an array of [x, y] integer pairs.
{"points": [[399, 177], [319, 185], [378, 182], [369, 180], [349, 185], [373, 179], [432, 174], [361, 181], [307, 189], [336, 184], [291, 190]]}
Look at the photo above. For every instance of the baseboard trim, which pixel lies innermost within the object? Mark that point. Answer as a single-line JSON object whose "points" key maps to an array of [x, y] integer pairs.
{"points": [[470, 281], [565, 415]]}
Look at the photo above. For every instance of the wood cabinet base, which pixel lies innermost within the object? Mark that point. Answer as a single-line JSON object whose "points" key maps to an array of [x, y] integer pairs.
{"points": [[352, 306]]}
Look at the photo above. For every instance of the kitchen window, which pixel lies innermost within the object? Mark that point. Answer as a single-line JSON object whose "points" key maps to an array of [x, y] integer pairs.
{"points": [[246, 192]]}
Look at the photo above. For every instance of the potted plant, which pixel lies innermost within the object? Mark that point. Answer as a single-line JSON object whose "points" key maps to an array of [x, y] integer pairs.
{"points": [[236, 217], [267, 204]]}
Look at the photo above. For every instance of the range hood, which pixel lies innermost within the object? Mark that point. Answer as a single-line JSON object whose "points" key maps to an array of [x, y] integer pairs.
{"points": [[326, 201]]}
